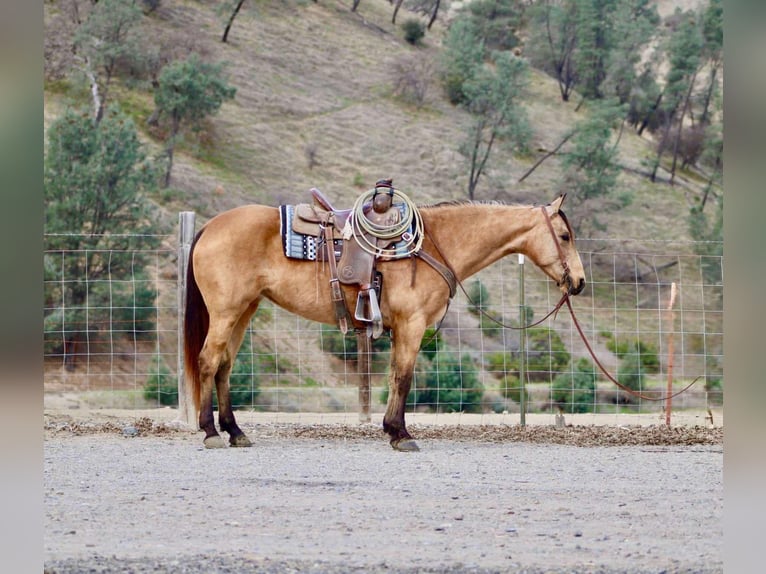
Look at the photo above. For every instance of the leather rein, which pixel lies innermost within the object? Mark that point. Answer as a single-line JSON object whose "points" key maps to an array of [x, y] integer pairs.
{"points": [[564, 299]]}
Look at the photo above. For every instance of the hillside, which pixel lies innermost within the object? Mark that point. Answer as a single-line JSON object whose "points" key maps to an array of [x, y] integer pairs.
{"points": [[318, 76]]}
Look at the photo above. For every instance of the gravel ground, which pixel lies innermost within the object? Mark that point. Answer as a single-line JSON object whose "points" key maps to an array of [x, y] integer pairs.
{"points": [[137, 495]]}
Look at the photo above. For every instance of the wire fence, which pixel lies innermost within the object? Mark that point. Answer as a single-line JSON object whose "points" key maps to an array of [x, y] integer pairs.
{"points": [[112, 317]]}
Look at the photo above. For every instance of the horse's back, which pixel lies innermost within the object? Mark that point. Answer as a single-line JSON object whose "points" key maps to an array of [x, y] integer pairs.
{"points": [[233, 250]]}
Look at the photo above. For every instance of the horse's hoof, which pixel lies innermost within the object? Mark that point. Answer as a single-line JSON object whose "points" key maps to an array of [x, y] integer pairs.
{"points": [[405, 445], [240, 440], [214, 441]]}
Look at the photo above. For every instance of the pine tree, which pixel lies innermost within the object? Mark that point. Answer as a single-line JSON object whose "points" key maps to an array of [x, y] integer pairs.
{"points": [[188, 92], [552, 42], [98, 227], [107, 38], [494, 99], [590, 164], [463, 57]]}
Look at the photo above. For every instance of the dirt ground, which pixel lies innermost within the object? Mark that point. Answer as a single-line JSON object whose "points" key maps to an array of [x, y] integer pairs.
{"points": [[129, 491]]}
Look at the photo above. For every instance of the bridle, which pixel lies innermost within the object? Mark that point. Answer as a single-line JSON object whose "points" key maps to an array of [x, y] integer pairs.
{"points": [[567, 277], [565, 299]]}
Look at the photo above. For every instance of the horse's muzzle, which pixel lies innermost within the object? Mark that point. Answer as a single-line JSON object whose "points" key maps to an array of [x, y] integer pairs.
{"points": [[573, 289]]}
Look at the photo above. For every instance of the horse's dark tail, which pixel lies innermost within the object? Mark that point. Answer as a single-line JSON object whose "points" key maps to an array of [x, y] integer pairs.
{"points": [[196, 323]]}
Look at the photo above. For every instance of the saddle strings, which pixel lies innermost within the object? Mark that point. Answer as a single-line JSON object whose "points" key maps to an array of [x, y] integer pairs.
{"points": [[410, 242]]}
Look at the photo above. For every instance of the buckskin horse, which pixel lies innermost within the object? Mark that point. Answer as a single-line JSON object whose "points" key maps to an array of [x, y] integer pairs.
{"points": [[237, 260]]}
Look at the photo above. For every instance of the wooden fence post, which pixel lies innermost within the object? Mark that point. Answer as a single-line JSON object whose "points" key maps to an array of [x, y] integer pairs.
{"points": [[186, 223], [671, 319]]}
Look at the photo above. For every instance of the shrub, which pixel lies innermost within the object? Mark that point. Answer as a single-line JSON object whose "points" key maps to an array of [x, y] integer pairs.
{"points": [[160, 386], [714, 389], [511, 389], [546, 353], [345, 346], [431, 343], [414, 30], [243, 382], [491, 325], [631, 372], [575, 392], [413, 76], [449, 385], [478, 295], [446, 384], [646, 352], [500, 364]]}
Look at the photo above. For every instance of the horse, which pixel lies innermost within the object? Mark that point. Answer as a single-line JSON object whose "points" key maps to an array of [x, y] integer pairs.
{"points": [[236, 260]]}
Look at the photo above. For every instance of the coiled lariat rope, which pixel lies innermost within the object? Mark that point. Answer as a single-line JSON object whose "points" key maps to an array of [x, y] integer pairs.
{"points": [[362, 228]]}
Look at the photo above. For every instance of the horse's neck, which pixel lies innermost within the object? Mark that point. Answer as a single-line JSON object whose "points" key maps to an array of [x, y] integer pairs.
{"points": [[473, 236]]}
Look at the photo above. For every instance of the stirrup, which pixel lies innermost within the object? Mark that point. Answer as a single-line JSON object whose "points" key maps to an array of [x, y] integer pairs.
{"points": [[363, 299]]}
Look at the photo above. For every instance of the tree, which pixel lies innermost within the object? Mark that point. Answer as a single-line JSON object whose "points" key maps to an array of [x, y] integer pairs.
{"points": [[188, 92], [494, 100], [496, 22], [590, 164], [106, 39], [463, 57], [683, 51], [429, 8], [232, 8], [98, 223], [634, 26], [707, 231], [478, 295], [712, 33], [552, 43], [592, 21]]}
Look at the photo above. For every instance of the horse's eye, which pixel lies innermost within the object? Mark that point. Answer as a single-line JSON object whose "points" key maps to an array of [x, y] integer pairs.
{"points": [[564, 237]]}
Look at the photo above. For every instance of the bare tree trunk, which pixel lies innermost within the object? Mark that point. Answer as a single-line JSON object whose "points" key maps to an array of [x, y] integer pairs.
{"points": [[647, 117], [705, 119], [170, 149], [677, 140], [231, 21], [95, 94], [546, 156], [396, 10], [433, 14]]}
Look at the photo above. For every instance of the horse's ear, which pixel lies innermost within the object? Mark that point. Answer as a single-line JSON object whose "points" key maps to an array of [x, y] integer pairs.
{"points": [[555, 205]]}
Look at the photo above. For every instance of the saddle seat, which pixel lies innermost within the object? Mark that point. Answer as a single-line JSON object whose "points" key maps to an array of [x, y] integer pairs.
{"points": [[321, 201]]}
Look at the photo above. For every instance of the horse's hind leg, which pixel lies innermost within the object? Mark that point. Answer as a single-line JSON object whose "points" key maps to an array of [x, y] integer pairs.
{"points": [[223, 388], [215, 355]]}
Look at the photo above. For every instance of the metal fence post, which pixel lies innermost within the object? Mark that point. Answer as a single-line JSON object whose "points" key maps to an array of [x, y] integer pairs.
{"points": [[186, 223], [522, 345]]}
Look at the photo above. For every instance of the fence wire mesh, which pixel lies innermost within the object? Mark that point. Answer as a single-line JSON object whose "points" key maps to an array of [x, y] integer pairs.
{"points": [[111, 322]]}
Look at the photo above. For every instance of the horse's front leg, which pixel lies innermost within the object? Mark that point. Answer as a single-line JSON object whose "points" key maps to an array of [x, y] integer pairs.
{"points": [[404, 352]]}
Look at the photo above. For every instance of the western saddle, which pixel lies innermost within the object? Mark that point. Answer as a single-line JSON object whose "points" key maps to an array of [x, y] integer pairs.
{"points": [[352, 249]]}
